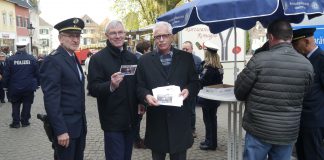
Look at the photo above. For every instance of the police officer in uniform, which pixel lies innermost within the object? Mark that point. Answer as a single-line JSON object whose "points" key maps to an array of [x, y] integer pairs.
{"points": [[310, 142], [21, 78], [62, 82], [212, 74]]}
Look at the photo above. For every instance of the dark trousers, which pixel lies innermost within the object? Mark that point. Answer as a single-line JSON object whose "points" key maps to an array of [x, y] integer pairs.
{"points": [[8, 96], [192, 103], [210, 121], [310, 144], [137, 127], [26, 99], [119, 145], [74, 151], [174, 156], [2, 92]]}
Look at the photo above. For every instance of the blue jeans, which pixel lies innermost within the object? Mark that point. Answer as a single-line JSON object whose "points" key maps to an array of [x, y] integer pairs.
{"points": [[257, 150]]}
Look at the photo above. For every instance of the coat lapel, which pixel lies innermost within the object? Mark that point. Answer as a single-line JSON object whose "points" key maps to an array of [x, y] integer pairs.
{"points": [[69, 60], [158, 64], [175, 62]]}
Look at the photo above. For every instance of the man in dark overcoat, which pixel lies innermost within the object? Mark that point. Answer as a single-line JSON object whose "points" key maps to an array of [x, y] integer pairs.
{"points": [[62, 82], [168, 128], [115, 92], [310, 142]]}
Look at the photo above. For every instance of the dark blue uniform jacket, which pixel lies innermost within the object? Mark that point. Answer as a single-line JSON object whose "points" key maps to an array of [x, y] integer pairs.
{"points": [[313, 104], [64, 96], [21, 73], [210, 76]]}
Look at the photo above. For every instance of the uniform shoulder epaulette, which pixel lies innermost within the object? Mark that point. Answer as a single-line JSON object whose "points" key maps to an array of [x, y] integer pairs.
{"points": [[53, 53]]}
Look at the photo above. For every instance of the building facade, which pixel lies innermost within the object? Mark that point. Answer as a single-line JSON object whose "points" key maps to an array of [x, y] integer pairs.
{"points": [[22, 22], [16, 16], [45, 37], [34, 13], [8, 32], [91, 34]]}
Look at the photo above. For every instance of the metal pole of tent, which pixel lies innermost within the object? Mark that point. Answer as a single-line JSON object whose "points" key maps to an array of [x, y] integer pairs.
{"points": [[235, 55], [227, 40]]}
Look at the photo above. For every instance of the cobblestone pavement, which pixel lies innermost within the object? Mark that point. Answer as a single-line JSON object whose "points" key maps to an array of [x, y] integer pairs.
{"points": [[31, 143]]}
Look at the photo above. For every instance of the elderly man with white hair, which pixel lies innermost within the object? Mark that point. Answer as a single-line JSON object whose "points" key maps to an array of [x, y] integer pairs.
{"points": [[168, 128]]}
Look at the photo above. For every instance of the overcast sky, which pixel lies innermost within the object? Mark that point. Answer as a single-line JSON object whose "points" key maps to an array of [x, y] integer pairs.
{"points": [[54, 11]]}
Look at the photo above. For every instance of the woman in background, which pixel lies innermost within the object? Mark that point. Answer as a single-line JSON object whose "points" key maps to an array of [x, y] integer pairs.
{"points": [[212, 74]]}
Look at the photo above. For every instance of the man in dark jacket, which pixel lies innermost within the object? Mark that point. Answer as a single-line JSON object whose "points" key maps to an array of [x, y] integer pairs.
{"points": [[310, 144], [168, 128], [273, 85], [115, 93], [21, 77], [62, 83]]}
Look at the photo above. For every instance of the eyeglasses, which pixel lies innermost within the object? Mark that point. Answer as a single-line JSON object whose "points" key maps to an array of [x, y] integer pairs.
{"points": [[115, 34], [72, 35], [162, 36], [185, 49]]}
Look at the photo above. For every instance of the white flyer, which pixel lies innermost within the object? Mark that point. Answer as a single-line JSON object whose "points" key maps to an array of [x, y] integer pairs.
{"points": [[168, 95], [220, 94]]}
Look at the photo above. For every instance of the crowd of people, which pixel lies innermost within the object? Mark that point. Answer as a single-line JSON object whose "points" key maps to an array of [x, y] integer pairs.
{"points": [[282, 86]]}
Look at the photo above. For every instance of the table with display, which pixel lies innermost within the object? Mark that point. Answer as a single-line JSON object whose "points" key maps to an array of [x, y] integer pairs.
{"points": [[225, 93]]}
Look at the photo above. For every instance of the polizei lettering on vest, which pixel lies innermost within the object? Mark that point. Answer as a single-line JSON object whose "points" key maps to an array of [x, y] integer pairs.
{"points": [[21, 62]]}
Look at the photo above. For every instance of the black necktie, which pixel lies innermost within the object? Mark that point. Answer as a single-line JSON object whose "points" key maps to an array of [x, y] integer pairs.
{"points": [[77, 66]]}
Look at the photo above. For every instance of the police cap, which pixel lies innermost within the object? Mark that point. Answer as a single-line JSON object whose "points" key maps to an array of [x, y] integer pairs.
{"points": [[209, 45], [302, 33], [21, 44], [72, 24]]}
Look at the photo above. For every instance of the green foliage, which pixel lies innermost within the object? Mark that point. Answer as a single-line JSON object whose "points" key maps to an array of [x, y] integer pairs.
{"points": [[248, 42], [140, 13], [131, 21], [168, 4]]}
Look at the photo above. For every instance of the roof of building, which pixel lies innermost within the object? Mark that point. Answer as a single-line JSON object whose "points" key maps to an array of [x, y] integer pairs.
{"points": [[42, 22], [21, 3], [89, 22]]}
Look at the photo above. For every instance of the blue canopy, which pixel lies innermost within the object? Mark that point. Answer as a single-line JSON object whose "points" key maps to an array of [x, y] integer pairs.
{"points": [[219, 15]]}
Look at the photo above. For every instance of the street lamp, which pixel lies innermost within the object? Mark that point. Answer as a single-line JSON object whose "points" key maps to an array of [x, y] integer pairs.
{"points": [[31, 32]]}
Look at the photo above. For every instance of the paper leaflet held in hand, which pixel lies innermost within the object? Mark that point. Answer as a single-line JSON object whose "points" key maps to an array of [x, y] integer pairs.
{"points": [[127, 70], [168, 95]]}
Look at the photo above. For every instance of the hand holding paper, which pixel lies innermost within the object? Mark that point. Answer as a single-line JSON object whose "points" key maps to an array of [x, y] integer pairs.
{"points": [[169, 95], [184, 93], [151, 101], [115, 79]]}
